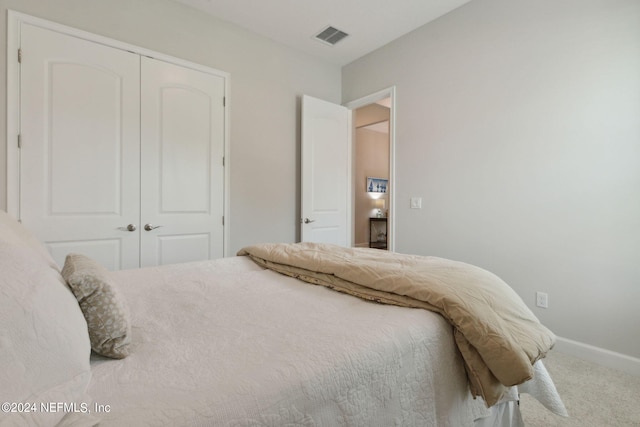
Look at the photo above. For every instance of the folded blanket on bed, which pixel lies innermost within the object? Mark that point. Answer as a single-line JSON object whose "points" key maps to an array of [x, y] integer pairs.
{"points": [[498, 336]]}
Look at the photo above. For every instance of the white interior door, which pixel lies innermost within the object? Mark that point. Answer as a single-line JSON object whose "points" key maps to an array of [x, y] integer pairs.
{"points": [[326, 172], [182, 172], [80, 150]]}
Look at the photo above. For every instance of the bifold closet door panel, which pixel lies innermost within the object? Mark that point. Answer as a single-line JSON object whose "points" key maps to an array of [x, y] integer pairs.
{"points": [[80, 151], [182, 172]]}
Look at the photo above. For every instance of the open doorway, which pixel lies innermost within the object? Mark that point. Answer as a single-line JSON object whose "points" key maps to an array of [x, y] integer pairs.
{"points": [[371, 175], [373, 170]]}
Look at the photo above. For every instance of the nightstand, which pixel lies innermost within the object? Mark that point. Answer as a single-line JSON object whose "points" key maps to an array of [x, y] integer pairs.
{"points": [[378, 233]]}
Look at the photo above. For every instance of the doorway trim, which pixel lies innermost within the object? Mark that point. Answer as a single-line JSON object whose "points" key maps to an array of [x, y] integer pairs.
{"points": [[389, 92]]}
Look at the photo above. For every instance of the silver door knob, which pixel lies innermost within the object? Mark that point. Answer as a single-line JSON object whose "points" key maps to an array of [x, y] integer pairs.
{"points": [[309, 221], [150, 227], [131, 227]]}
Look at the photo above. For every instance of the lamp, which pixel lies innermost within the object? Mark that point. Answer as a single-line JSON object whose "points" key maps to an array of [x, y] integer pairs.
{"points": [[379, 203]]}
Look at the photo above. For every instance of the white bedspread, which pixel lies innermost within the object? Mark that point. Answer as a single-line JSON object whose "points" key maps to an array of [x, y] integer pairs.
{"points": [[225, 343]]}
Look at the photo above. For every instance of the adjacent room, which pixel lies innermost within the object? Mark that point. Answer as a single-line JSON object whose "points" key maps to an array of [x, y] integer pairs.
{"points": [[148, 142]]}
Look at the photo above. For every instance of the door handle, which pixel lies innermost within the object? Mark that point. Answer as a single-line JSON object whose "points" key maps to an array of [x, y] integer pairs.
{"points": [[131, 227], [308, 221], [150, 227]]}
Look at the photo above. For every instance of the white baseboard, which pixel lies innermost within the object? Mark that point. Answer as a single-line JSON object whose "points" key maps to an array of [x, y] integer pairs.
{"points": [[610, 359]]}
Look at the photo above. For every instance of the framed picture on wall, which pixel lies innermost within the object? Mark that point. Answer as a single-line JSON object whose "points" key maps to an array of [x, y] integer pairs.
{"points": [[377, 185]]}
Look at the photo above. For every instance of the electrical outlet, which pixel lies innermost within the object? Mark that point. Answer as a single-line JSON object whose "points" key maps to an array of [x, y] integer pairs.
{"points": [[542, 300]]}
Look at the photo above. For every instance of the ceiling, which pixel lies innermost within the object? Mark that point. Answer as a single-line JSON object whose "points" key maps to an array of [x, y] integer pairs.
{"points": [[369, 23]]}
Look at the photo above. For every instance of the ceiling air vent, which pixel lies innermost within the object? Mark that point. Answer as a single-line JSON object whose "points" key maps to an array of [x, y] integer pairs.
{"points": [[330, 35]]}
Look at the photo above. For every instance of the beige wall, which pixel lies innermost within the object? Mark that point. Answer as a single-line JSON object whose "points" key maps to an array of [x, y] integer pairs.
{"points": [[372, 113], [372, 160], [267, 80], [518, 123]]}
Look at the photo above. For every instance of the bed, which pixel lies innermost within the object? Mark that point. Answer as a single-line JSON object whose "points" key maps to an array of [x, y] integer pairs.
{"points": [[226, 343]]}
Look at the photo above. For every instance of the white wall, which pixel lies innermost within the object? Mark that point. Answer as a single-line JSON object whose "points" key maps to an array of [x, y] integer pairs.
{"points": [[267, 80], [518, 122]]}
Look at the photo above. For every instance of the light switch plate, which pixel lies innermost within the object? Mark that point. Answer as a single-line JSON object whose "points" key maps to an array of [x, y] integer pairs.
{"points": [[416, 203]]}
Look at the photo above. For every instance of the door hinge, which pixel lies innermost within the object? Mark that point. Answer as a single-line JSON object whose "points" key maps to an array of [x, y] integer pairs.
{"points": [[19, 55], [223, 161], [224, 101], [223, 220], [19, 141]]}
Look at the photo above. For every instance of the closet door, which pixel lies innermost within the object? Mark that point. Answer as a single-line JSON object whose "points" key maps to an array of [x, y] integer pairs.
{"points": [[80, 155], [182, 172]]}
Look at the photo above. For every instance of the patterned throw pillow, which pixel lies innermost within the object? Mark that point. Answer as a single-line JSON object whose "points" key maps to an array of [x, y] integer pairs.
{"points": [[105, 311]]}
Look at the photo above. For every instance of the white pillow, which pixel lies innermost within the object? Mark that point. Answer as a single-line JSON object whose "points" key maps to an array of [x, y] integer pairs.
{"points": [[44, 344], [12, 231]]}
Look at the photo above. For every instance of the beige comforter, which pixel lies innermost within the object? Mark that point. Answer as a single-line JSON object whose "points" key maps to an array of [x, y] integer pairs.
{"points": [[498, 336]]}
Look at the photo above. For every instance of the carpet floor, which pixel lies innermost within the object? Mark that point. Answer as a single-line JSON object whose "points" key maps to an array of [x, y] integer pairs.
{"points": [[593, 395]]}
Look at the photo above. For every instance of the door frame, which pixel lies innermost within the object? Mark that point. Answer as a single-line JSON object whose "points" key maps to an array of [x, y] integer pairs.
{"points": [[14, 22], [389, 92]]}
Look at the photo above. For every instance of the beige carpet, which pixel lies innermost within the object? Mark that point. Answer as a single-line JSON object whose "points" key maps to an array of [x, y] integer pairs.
{"points": [[594, 396]]}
